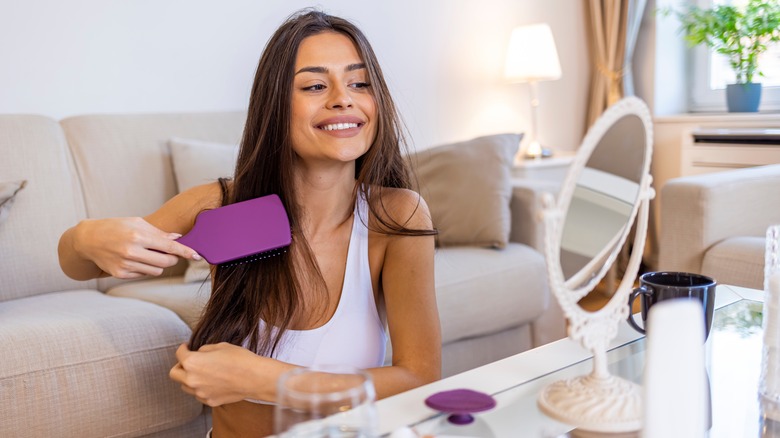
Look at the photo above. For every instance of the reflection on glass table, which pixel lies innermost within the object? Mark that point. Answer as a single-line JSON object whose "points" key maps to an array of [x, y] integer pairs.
{"points": [[733, 356]]}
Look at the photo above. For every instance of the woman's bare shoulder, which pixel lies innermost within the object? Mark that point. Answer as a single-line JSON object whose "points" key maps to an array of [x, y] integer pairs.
{"points": [[405, 207]]}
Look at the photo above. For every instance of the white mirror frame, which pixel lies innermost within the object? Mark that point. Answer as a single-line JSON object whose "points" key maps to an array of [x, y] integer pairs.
{"points": [[598, 402]]}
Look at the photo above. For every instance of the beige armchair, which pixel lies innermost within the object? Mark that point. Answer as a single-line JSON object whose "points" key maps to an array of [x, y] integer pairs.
{"points": [[715, 224]]}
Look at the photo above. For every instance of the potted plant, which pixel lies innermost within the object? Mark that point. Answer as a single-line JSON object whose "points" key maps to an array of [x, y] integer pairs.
{"points": [[742, 35]]}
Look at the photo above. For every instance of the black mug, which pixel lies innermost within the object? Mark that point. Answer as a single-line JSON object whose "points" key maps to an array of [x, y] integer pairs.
{"points": [[660, 286]]}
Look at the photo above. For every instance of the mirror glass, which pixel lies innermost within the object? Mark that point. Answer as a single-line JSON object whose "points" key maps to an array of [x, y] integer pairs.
{"points": [[602, 201]]}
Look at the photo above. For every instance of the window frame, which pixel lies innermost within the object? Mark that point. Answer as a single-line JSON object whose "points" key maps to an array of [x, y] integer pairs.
{"points": [[701, 98]]}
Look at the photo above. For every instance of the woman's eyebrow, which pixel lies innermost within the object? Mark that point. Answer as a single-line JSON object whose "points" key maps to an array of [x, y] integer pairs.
{"points": [[313, 69]]}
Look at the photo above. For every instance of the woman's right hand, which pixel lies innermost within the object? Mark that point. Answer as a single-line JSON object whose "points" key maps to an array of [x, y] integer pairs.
{"points": [[128, 247]]}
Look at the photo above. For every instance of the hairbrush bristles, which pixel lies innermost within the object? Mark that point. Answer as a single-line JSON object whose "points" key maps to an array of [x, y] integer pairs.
{"points": [[256, 257]]}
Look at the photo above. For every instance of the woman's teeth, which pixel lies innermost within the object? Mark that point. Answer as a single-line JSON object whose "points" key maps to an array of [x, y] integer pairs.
{"points": [[338, 126]]}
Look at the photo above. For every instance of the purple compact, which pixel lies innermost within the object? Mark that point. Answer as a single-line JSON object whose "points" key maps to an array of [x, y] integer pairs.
{"points": [[242, 231], [460, 403]]}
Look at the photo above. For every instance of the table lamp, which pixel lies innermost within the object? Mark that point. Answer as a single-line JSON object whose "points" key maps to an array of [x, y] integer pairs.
{"points": [[532, 57]]}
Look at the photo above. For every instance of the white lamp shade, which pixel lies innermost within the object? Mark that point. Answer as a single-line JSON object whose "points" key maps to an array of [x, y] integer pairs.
{"points": [[532, 55]]}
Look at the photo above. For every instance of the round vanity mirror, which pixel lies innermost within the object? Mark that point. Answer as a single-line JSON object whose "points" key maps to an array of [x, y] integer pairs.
{"points": [[606, 192], [602, 202]]}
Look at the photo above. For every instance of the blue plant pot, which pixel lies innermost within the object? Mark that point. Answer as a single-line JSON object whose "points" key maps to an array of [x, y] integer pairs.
{"points": [[743, 98]]}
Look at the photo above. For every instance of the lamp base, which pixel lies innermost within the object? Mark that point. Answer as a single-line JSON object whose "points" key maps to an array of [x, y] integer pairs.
{"points": [[536, 150], [543, 153], [524, 157]]}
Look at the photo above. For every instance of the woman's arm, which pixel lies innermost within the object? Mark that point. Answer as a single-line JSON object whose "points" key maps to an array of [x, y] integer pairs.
{"points": [[134, 247], [410, 300]]}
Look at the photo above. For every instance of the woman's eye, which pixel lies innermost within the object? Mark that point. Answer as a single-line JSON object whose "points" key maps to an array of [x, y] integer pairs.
{"points": [[315, 87], [360, 85]]}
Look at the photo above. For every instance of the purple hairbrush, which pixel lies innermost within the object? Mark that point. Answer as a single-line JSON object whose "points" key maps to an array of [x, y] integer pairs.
{"points": [[244, 231]]}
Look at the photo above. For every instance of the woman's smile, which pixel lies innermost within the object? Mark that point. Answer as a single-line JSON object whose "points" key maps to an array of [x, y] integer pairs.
{"points": [[342, 126]]}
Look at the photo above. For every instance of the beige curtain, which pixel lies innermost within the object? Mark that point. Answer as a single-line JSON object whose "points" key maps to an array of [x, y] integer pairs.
{"points": [[613, 26]]}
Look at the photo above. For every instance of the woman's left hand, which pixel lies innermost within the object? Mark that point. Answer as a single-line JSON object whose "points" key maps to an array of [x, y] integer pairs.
{"points": [[218, 374]]}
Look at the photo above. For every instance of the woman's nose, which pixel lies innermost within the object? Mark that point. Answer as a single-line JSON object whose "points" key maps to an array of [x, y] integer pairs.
{"points": [[339, 97]]}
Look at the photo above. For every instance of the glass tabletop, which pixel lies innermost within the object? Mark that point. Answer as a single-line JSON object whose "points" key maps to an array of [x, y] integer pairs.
{"points": [[733, 360]]}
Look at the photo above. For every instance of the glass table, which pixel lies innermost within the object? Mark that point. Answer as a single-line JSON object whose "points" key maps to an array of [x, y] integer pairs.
{"points": [[732, 355]]}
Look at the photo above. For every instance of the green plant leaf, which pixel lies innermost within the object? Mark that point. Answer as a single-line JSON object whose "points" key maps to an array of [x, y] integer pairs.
{"points": [[740, 34]]}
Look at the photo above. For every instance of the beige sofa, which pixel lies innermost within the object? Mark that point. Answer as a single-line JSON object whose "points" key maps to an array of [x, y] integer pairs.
{"points": [[91, 359], [715, 224]]}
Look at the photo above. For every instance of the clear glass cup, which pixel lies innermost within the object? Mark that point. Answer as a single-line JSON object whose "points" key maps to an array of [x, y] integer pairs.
{"points": [[325, 402], [769, 381]]}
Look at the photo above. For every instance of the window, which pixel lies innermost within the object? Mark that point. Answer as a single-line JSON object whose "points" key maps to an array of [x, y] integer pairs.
{"points": [[710, 72]]}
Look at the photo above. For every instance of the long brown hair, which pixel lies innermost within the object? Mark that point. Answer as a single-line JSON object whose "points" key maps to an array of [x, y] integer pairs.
{"points": [[271, 289]]}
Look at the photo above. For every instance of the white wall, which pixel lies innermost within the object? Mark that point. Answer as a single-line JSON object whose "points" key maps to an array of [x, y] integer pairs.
{"points": [[443, 59]]}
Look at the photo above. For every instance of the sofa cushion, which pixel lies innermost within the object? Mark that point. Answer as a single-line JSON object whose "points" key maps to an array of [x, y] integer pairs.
{"points": [[485, 290], [33, 148], [186, 299], [467, 186], [198, 162], [8, 191], [82, 362], [738, 261]]}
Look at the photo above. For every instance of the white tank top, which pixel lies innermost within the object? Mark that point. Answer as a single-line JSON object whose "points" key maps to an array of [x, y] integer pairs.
{"points": [[355, 335]]}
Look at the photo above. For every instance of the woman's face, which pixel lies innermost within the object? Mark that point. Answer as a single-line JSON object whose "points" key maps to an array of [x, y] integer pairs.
{"points": [[333, 110]]}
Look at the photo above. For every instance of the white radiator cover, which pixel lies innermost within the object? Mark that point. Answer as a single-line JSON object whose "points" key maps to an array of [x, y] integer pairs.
{"points": [[715, 150]]}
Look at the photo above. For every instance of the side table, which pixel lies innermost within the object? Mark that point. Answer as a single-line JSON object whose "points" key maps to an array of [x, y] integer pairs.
{"points": [[550, 169]]}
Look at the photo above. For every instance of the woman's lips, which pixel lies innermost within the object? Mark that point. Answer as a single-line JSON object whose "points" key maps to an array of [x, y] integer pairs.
{"points": [[341, 128]]}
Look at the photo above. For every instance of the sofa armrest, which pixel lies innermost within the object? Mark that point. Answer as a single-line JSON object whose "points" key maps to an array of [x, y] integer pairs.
{"points": [[699, 211], [526, 207]]}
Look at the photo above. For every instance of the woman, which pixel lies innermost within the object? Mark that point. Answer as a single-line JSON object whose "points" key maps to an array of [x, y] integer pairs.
{"points": [[322, 132]]}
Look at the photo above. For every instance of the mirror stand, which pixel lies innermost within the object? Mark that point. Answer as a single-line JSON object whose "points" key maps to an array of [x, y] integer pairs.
{"points": [[599, 401]]}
